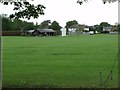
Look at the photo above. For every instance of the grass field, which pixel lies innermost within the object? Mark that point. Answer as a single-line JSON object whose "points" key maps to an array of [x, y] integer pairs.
{"points": [[72, 61]]}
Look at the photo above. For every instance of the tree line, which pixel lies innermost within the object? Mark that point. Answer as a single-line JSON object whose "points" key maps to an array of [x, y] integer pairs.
{"points": [[19, 25], [28, 10], [16, 24]]}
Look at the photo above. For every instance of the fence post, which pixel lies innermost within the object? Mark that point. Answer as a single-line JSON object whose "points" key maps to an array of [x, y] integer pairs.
{"points": [[100, 78], [111, 75]]}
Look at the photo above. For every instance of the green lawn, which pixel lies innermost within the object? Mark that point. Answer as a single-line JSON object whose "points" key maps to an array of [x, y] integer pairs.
{"points": [[72, 61]]}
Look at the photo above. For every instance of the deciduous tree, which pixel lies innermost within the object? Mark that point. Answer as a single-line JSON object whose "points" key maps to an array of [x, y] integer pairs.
{"points": [[45, 24], [55, 26], [70, 23], [25, 9]]}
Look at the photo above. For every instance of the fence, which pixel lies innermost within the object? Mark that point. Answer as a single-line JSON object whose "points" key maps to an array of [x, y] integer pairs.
{"points": [[11, 33]]}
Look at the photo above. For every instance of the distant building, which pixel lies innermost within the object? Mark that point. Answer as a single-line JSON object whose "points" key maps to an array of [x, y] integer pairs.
{"points": [[107, 29], [47, 32], [86, 29], [63, 30], [111, 29], [39, 32], [73, 29], [89, 30], [115, 29]]}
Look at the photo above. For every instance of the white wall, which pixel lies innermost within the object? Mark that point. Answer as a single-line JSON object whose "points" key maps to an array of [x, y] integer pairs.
{"points": [[63, 31]]}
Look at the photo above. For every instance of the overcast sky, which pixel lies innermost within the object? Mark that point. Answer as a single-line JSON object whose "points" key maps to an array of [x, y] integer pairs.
{"points": [[91, 13]]}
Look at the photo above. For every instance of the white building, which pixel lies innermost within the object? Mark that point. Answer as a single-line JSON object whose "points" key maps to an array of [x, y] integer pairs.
{"points": [[63, 30]]}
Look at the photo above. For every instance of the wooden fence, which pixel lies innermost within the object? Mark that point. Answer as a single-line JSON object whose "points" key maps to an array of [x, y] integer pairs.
{"points": [[11, 33]]}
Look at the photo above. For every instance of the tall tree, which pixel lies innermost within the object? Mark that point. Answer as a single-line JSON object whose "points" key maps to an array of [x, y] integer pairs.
{"points": [[100, 27], [70, 23], [6, 23], [55, 26], [104, 24], [16, 24], [45, 24]]}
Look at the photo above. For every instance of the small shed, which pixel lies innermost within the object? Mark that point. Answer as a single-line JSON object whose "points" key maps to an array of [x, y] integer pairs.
{"points": [[39, 32], [63, 30], [47, 32]]}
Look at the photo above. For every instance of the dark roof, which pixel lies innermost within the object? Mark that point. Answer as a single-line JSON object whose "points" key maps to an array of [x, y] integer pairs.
{"points": [[107, 27]]}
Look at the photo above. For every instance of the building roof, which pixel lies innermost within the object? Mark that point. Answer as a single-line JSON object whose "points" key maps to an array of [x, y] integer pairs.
{"points": [[74, 26], [41, 31], [30, 31], [46, 30], [107, 28]]}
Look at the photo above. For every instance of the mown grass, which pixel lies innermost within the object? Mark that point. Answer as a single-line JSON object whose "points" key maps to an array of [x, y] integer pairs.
{"points": [[72, 61]]}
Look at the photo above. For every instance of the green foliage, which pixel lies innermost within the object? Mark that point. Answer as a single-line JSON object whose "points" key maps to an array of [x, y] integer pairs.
{"points": [[55, 26], [70, 23], [48, 25], [26, 10], [16, 24], [100, 27], [104, 24], [45, 24], [6, 24], [81, 28]]}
